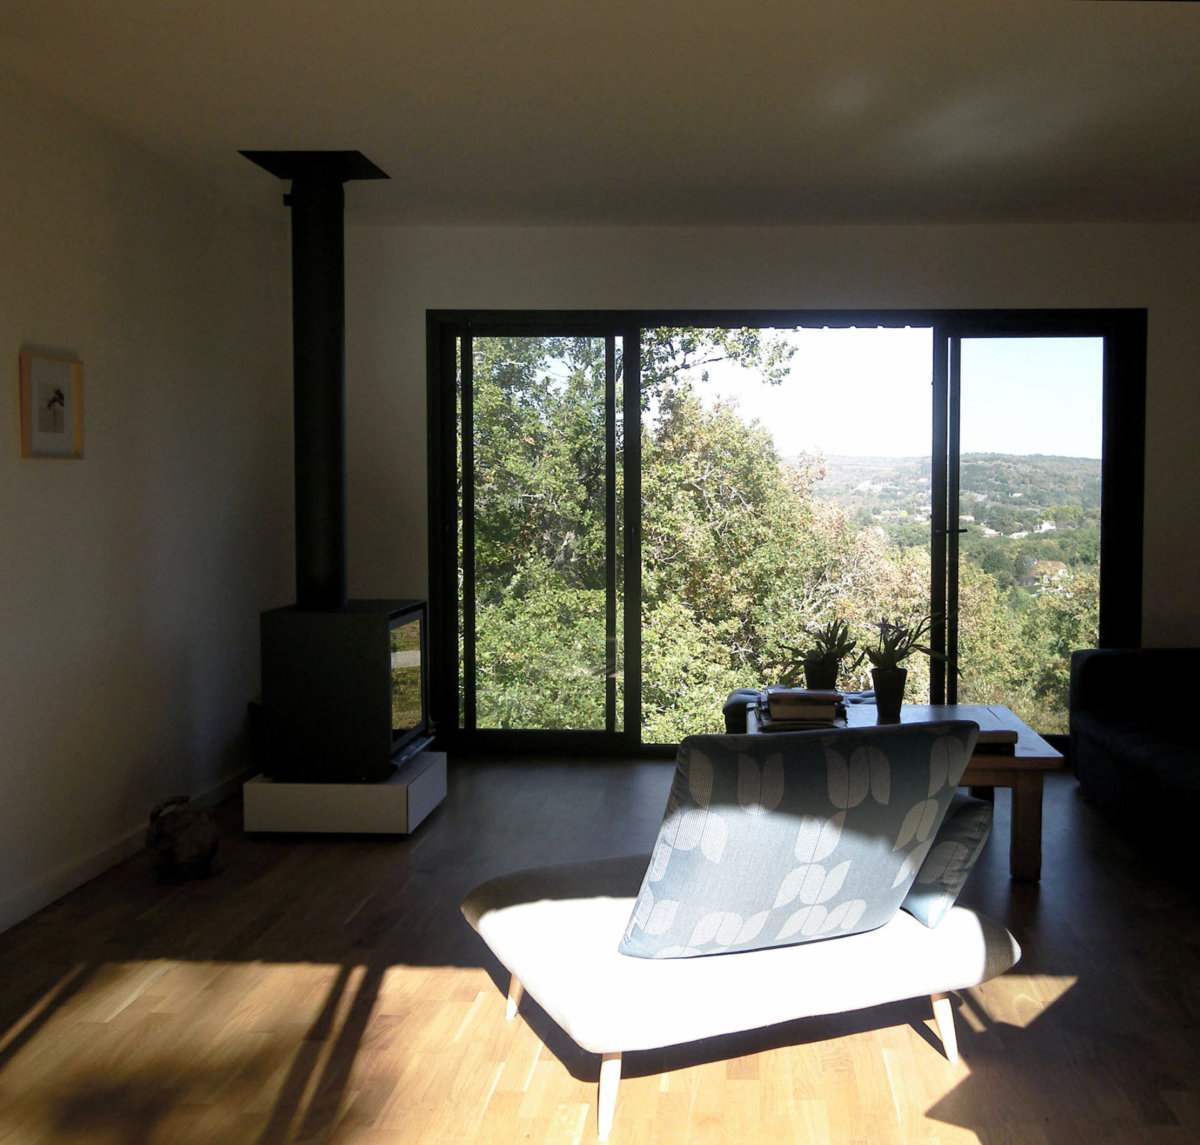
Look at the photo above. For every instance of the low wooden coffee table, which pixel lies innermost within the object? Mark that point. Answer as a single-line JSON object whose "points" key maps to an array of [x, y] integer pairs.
{"points": [[1021, 769]]}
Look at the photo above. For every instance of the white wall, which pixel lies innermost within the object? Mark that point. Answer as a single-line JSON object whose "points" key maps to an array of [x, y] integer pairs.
{"points": [[395, 275], [131, 581]]}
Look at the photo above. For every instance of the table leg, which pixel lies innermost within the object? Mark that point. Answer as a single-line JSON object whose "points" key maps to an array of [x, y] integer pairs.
{"points": [[1025, 852]]}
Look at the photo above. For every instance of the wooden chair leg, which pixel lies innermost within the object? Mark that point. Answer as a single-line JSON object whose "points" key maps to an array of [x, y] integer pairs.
{"points": [[606, 1105], [943, 1016], [515, 993]]}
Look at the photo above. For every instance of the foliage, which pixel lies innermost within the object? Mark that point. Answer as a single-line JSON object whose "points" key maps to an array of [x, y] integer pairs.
{"points": [[540, 659], [688, 672], [672, 355], [1065, 615], [897, 641], [740, 547], [831, 644]]}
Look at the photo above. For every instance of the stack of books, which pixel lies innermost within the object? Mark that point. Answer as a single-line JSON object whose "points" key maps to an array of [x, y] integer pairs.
{"points": [[796, 709]]}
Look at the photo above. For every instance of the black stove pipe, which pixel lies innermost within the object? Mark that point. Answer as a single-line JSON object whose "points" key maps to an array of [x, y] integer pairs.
{"points": [[319, 370], [317, 202]]}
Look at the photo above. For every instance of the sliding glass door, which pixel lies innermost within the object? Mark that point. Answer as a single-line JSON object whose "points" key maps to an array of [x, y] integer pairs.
{"points": [[1045, 414], [538, 546], [1027, 444], [785, 485], [633, 514]]}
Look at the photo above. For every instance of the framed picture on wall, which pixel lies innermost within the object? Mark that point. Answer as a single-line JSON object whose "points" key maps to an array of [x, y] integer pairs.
{"points": [[51, 406]]}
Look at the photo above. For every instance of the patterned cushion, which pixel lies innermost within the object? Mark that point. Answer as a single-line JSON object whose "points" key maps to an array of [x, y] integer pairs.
{"points": [[770, 840], [956, 846]]}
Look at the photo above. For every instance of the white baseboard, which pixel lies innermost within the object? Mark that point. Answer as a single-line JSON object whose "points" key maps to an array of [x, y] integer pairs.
{"points": [[65, 878], [70, 875]]}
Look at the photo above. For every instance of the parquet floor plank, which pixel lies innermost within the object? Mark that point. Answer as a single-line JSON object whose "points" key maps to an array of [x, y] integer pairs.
{"points": [[327, 990]]}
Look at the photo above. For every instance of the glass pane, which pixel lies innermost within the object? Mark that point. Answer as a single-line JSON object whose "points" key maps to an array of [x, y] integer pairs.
{"points": [[617, 612], [540, 548], [458, 500], [407, 709], [1029, 559], [786, 485]]}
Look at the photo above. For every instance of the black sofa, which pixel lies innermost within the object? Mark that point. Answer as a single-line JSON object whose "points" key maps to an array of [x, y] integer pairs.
{"points": [[1132, 742]]}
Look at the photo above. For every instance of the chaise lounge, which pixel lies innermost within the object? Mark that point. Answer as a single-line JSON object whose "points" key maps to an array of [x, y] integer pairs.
{"points": [[793, 875]]}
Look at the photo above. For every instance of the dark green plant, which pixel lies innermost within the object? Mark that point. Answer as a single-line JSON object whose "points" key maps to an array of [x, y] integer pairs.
{"points": [[830, 646], [899, 639]]}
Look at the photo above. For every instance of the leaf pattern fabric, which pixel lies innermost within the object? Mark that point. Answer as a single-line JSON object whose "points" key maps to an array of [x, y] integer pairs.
{"points": [[950, 859], [796, 837], [817, 838], [760, 789]]}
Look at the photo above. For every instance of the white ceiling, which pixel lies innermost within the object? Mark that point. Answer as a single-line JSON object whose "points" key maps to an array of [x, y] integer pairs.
{"points": [[655, 111]]}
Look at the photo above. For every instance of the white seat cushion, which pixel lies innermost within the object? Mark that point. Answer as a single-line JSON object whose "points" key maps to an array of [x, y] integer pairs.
{"points": [[557, 929]]}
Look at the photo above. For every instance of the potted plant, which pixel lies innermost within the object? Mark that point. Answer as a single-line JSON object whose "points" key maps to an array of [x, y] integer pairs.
{"points": [[822, 660], [898, 639]]}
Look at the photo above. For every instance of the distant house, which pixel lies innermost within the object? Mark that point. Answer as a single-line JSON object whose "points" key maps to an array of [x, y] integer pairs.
{"points": [[1039, 569]]}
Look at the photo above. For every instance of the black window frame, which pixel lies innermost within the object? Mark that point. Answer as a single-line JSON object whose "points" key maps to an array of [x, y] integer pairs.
{"points": [[1124, 332]]}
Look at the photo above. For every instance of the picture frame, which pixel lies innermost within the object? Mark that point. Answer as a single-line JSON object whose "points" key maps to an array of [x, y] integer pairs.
{"points": [[51, 406]]}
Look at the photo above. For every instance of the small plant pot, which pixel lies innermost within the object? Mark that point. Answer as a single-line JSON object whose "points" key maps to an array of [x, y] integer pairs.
{"points": [[820, 677], [889, 692]]}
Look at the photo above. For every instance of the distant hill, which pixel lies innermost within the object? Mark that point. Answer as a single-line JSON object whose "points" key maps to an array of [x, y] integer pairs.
{"points": [[1012, 490], [1045, 480], [877, 483]]}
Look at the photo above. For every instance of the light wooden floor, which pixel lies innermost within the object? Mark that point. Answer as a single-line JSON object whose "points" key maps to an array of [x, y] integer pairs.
{"points": [[327, 990]]}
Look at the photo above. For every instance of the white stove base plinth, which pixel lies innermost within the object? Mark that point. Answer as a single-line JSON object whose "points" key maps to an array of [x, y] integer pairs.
{"points": [[394, 807]]}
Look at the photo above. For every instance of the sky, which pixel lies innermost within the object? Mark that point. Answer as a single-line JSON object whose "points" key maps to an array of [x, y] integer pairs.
{"points": [[868, 392]]}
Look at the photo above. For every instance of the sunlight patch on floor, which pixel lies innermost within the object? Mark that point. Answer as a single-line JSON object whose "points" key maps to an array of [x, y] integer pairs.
{"points": [[205, 1051], [1014, 999], [200, 1053]]}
